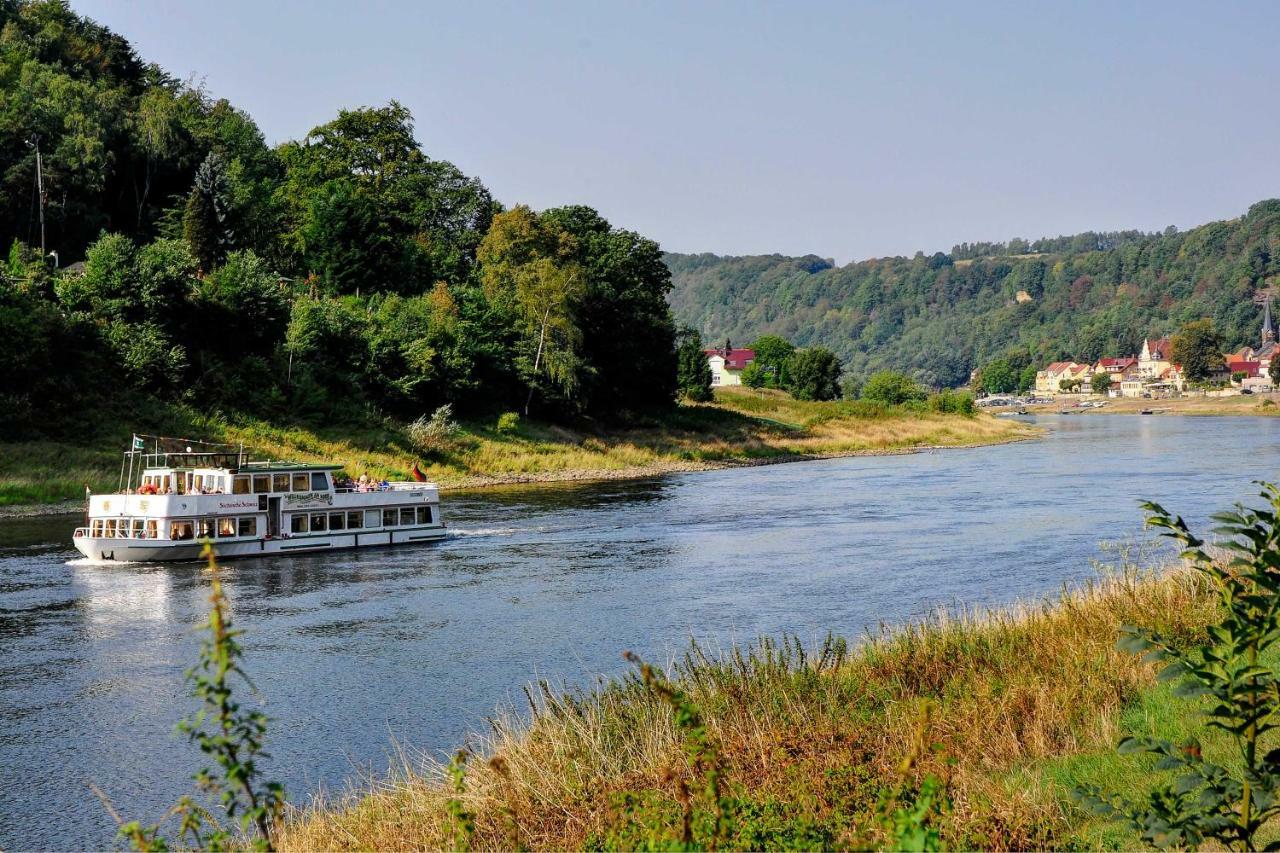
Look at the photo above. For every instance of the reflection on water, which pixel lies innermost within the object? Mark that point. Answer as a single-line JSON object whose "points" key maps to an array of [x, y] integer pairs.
{"points": [[351, 651]]}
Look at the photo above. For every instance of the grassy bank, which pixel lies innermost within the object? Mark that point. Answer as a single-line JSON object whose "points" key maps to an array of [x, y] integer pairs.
{"points": [[741, 426], [1027, 703]]}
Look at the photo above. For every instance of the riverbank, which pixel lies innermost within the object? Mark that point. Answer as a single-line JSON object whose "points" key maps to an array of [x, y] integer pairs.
{"points": [[1026, 703], [741, 427], [1258, 405]]}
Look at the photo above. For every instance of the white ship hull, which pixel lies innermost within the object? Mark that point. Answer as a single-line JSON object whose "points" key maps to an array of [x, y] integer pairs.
{"points": [[252, 509], [127, 551]]}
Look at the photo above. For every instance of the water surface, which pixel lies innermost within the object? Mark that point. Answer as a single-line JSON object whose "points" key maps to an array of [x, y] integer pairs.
{"points": [[356, 652]]}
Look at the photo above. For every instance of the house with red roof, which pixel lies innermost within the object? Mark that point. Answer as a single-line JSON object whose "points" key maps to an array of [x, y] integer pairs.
{"points": [[727, 365], [1156, 357]]}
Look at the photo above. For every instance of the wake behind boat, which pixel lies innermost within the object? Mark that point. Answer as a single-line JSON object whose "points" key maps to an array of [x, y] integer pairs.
{"points": [[249, 509]]}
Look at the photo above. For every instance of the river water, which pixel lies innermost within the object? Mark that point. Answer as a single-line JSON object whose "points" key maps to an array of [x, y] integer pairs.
{"points": [[354, 654]]}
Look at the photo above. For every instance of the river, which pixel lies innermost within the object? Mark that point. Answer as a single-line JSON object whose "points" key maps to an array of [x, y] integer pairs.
{"points": [[357, 654]]}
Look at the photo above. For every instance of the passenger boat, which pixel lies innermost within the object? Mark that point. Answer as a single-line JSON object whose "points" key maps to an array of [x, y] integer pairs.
{"points": [[249, 509]]}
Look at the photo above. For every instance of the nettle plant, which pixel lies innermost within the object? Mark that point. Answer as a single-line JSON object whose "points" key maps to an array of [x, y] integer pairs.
{"points": [[1230, 673]]}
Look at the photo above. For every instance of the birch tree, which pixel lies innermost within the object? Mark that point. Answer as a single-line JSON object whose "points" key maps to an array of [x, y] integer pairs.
{"points": [[527, 270]]}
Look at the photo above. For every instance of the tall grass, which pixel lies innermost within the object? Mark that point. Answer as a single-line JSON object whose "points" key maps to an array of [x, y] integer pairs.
{"points": [[809, 740], [741, 426]]}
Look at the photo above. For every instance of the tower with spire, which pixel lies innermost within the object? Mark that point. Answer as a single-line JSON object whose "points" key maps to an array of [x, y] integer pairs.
{"points": [[1268, 330]]}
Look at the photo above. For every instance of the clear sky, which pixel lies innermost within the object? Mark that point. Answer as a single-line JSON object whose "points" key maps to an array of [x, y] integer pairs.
{"points": [[844, 129]]}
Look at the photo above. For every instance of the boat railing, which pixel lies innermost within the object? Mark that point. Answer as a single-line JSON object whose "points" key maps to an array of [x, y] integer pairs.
{"points": [[86, 533], [397, 486]]}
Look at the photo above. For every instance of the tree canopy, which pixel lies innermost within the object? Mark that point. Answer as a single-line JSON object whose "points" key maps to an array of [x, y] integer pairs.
{"points": [[347, 274]]}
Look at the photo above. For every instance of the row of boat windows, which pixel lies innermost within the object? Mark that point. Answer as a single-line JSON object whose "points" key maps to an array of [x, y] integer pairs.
{"points": [[225, 527], [321, 522], [149, 528], [241, 484]]}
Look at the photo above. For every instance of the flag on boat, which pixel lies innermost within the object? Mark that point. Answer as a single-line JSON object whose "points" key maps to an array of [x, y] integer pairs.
{"points": [[417, 474], [138, 443]]}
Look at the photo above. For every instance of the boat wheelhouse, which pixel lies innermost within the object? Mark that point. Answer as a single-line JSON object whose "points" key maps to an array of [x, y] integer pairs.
{"points": [[249, 509]]}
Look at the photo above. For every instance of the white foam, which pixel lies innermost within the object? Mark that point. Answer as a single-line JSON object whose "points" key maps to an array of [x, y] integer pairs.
{"points": [[455, 532]]}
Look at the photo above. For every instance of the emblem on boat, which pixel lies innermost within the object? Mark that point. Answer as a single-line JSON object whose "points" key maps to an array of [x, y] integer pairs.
{"points": [[309, 497]]}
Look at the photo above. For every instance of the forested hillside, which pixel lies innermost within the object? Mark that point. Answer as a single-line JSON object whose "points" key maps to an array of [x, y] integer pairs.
{"points": [[347, 275], [939, 316]]}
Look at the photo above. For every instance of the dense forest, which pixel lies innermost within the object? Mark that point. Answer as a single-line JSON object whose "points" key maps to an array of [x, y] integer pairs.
{"points": [[178, 259], [940, 316]]}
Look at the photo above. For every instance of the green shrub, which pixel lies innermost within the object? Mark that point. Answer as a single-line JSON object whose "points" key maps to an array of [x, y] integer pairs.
{"points": [[892, 388], [508, 423], [952, 402], [1207, 801], [434, 434]]}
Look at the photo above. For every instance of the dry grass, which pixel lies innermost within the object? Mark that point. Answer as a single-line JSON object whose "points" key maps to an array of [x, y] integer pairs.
{"points": [[742, 426], [809, 742]]}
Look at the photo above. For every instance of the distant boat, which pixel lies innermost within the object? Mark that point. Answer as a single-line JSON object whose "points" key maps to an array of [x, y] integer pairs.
{"points": [[1147, 412]]}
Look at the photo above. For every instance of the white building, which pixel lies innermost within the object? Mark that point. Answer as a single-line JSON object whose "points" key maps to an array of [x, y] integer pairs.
{"points": [[727, 365]]}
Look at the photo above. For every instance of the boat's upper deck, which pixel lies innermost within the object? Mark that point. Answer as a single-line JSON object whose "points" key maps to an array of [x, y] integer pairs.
{"points": [[175, 484]]}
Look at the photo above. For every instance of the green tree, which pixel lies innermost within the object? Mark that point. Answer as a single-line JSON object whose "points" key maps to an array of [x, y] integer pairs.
{"points": [[892, 388], [527, 269], [998, 377], [1100, 383], [814, 374], [1198, 348], [693, 376], [772, 353], [755, 376], [628, 333], [1027, 379], [205, 219]]}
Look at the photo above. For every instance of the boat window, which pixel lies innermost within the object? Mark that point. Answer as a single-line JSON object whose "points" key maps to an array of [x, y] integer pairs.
{"points": [[298, 523], [110, 530], [95, 529], [372, 518], [261, 483], [406, 515], [355, 520], [226, 527], [181, 530], [337, 521], [137, 528], [279, 482], [319, 481], [424, 515], [301, 483], [206, 528], [153, 529], [240, 484], [319, 522], [388, 518], [248, 526]]}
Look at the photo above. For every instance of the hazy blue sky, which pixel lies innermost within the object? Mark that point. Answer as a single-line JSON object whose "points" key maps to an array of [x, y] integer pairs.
{"points": [[843, 129]]}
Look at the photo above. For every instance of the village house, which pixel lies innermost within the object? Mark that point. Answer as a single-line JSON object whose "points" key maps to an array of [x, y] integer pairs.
{"points": [[1049, 380], [1119, 369], [1155, 359], [727, 365]]}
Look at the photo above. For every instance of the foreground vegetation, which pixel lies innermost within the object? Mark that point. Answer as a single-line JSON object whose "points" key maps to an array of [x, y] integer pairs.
{"points": [[741, 426], [1008, 713]]}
